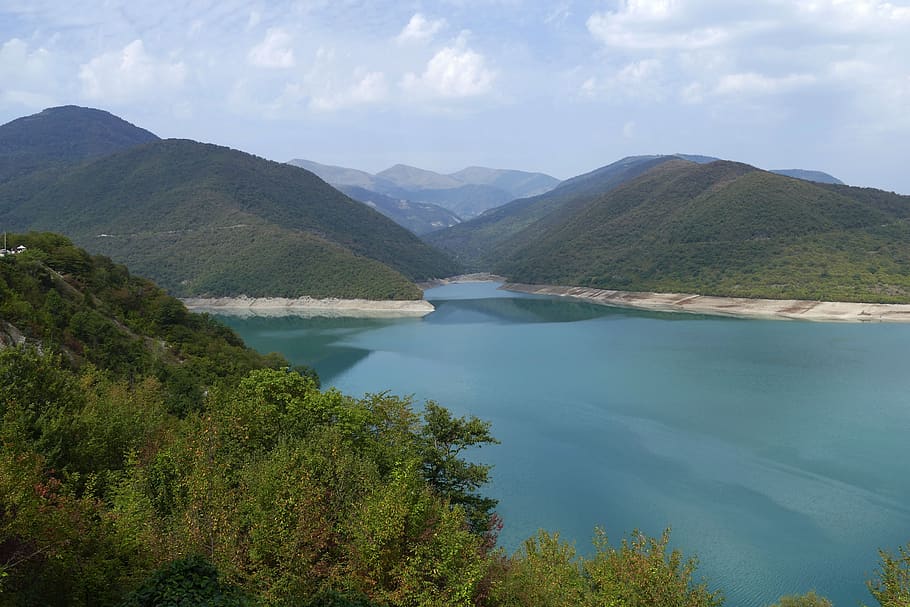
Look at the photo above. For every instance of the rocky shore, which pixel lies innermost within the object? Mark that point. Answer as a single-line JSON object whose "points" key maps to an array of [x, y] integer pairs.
{"points": [[786, 309], [309, 307]]}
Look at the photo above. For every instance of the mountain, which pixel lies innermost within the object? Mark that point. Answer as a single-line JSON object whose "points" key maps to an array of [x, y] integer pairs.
{"points": [[337, 175], [418, 217], [722, 228], [207, 220], [817, 176], [475, 243], [413, 178], [467, 193], [63, 135], [519, 184]]}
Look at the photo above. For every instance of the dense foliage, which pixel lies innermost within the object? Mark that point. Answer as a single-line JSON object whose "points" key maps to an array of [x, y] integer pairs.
{"points": [[92, 310], [206, 220], [260, 489]]}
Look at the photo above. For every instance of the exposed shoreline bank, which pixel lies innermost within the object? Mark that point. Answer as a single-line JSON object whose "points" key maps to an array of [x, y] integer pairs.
{"points": [[778, 309], [475, 277], [308, 307]]}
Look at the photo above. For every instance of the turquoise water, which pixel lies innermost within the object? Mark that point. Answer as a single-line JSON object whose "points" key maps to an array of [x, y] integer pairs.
{"points": [[777, 451]]}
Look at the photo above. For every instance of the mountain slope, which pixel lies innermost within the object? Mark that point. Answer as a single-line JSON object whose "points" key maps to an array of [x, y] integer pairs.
{"points": [[724, 228], [478, 241], [60, 298], [337, 175], [414, 178], [206, 220], [418, 217], [63, 135], [519, 184]]}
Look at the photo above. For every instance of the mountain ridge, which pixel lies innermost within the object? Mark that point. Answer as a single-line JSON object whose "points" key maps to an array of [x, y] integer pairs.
{"points": [[202, 219], [64, 135]]}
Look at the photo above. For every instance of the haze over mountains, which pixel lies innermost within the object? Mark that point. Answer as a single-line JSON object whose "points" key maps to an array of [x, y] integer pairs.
{"points": [[467, 193]]}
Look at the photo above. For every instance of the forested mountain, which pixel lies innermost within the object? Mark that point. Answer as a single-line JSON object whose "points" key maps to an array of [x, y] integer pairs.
{"points": [[722, 228], [63, 135], [466, 193], [206, 220], [476, 243]]}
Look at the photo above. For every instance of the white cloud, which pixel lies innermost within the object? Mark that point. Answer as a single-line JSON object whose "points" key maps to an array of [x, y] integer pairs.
{"points": [[639, 80], [369, 88], [275, 50], [453, 72], [752, 83], [128, 74], [420, 29], [17, 61]]}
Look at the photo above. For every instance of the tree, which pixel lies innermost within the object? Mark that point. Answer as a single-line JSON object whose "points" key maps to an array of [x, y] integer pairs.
{"points": [[444, 438], [643, 572], [188, 582], [545, 573], [891, 586]]}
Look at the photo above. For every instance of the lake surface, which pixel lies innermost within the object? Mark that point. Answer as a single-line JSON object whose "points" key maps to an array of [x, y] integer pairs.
{"points": [[777, 451]]}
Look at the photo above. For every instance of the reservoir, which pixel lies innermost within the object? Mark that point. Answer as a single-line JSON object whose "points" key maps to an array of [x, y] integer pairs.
{"points": [[777, 451]]}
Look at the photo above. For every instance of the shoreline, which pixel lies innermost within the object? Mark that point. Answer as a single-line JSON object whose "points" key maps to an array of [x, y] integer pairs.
{"points": [[738, 307], [461, 278], [309, 307]]}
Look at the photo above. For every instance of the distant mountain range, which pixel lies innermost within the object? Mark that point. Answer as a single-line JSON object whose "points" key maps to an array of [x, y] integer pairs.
{"points": [[666, 224], [467, 193], [206, 220]]}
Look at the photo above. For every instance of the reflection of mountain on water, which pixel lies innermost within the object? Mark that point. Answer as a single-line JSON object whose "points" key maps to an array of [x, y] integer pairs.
{"points": [[534, 310], [310, 341], [285, 326]]}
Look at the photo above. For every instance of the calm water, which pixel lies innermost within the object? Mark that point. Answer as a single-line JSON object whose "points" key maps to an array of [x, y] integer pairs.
{"points": [[777, 451]]}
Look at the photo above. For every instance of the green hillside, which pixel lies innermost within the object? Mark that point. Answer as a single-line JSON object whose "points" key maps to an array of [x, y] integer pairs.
{"points": [[91, 310], [207, 220], [63, 135], [477, 242], [724, 229]]}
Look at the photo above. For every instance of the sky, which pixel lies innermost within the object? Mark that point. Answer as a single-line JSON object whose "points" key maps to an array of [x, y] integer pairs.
{"points": [[561, 87]]}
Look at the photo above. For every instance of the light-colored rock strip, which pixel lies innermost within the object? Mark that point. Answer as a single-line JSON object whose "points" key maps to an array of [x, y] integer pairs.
{"points": [[309, 307], [476, 277], [789, 309]]}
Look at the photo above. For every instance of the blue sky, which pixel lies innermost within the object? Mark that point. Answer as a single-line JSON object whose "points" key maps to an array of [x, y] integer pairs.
{"points": [[560, 87]]}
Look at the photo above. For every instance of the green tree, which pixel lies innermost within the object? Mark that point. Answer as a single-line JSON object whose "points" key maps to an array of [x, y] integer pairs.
{"points": [[189, 582], [891, 585], [643, 572], [444, 439], [546, 572]]}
